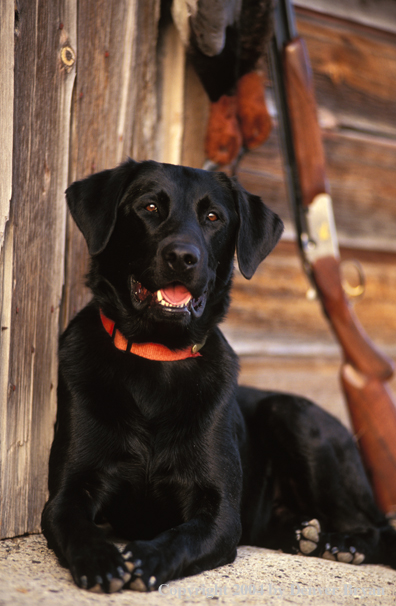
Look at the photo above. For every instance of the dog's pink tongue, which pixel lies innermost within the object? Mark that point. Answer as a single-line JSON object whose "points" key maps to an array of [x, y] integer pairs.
{"points": [[176, 294]]}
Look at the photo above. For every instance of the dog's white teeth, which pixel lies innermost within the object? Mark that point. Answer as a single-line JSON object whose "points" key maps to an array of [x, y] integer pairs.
{"points": [[161, 301]]}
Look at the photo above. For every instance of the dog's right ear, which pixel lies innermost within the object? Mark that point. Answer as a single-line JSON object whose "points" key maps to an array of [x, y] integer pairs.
{"points": [[94, 201]]}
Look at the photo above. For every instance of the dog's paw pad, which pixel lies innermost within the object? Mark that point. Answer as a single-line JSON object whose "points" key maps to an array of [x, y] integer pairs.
{"points": [[96, 589], [308, 536], [344, 556], [115, 585], [314, 523], [358, 558], [311, 533], [327, 555], [130, 566], [137, 585], [307, 547]]}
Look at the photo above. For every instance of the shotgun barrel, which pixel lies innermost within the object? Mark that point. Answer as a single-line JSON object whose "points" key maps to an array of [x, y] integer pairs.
{"points": [[364, 369]]}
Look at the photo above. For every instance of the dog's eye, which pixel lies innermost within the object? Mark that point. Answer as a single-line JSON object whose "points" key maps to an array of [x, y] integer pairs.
{"points": [[152, 208], [213, 217]]}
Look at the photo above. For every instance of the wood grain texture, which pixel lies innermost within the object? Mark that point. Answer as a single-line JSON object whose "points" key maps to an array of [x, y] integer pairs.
{"points": [[6, 110], [380, 14], [270, 314], [354, 72], [95, 140], [6, 231], [43, 84], [196, 115], [172, 68], [114, 108], [360, 171]]}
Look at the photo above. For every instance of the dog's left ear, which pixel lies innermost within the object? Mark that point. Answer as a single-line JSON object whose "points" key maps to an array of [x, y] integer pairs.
{"points": [[94, 201], [259, 230]]}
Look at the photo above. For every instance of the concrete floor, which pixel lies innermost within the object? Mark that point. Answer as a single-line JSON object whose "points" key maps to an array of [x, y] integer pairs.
{"points": [[30, 575]]}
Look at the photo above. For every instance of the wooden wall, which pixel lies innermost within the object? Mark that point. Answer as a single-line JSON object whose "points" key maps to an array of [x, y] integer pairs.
{"points": [[91, 86], [82, 98]]}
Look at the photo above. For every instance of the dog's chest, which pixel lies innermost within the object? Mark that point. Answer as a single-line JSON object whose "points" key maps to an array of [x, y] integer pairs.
{"points": [[154, 494]]}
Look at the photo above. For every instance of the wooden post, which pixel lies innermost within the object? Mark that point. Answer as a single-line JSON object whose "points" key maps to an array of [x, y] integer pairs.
{"points": [[33, 256]]}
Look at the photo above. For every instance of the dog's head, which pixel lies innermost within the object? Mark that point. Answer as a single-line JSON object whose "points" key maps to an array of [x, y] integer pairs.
{"points": [[162, 240]]}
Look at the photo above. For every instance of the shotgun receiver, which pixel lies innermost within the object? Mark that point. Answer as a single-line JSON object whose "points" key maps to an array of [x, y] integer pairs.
{"points": [[364, 368]]}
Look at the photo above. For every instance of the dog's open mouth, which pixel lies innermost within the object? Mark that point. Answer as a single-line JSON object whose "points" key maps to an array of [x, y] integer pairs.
{"points": [[174, 298]]}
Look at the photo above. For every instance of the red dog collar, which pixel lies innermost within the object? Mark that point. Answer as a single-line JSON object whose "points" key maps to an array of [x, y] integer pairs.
{"points": [[151, 351]]}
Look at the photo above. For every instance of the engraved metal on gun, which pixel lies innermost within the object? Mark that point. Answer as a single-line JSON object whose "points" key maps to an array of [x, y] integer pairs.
{"points": [[321, 239]]}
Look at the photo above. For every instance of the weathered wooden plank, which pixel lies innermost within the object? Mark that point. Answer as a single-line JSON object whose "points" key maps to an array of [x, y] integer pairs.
{"points": [[360, 170], [99, 111], [44, 77], [270, 314], [373, 13], [114, 110], [172, 68], [144, 144], [354, 73], [196, 115], [6, 109], [6, 277], [6, 133]]}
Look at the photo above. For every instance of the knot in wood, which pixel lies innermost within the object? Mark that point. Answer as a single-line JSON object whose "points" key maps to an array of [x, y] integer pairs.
{"points": [[68, 57]]}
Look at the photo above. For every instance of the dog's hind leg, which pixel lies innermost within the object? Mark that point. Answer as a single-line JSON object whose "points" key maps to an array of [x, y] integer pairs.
{"points": [[321, 501]]}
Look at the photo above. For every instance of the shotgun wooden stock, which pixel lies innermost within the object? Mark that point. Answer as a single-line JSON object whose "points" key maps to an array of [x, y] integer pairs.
{"points": [[371, 406], [373, 416], [357, 347]]}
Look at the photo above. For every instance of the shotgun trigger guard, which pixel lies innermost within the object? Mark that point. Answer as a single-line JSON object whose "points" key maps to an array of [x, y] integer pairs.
{"points": [[321, 237], [353, 292]]}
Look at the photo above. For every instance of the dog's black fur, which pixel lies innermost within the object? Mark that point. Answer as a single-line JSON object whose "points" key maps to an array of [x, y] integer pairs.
{"points": [[177, 458]]}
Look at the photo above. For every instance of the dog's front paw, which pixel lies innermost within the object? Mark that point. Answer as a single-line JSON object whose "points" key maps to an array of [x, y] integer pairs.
{"points": [[99, 568], [308, 537], [147, 565]]}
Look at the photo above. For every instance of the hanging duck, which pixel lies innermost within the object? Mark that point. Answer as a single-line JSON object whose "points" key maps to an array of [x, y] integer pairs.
{"points": [[225, 40]]}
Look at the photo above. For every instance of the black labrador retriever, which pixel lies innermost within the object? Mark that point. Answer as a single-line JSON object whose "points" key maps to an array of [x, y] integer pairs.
{"points": [[153, 435]]}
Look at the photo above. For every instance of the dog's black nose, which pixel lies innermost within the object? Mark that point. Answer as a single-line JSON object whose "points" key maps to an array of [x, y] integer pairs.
{"points": [[181, 256]]}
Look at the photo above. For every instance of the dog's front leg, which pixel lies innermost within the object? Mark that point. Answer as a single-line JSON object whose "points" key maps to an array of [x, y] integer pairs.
{"points": [[202, 543], [94, 562]]}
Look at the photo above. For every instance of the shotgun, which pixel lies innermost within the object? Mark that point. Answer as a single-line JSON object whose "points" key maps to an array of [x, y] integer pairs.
{"points": [[364, 368]]}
